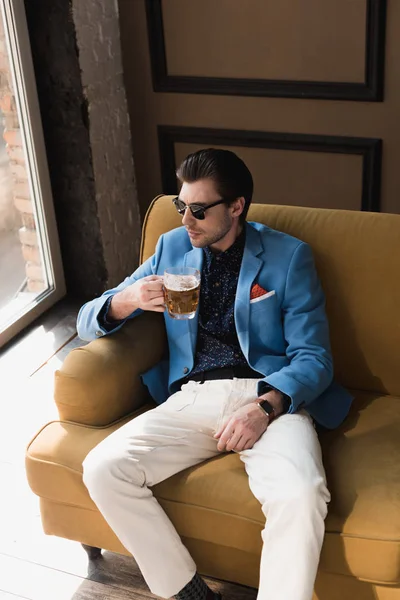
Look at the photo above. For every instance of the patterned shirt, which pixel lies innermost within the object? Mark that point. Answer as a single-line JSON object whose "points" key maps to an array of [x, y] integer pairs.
{"points": [[217, 341]]}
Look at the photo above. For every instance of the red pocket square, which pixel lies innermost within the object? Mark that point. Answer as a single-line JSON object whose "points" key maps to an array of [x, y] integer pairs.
{"points": [[257, 291]]}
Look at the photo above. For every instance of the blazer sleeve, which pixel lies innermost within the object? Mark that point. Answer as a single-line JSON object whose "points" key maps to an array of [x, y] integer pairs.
{"points": [[306, 332], [90, 320]]}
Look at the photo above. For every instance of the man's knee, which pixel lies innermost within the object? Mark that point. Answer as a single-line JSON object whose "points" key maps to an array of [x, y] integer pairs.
{"points": [[296, 493], [96, 471], [103, 469], [307, 496]]}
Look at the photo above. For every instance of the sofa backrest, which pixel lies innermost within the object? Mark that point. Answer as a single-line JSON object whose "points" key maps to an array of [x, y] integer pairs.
{"points": [[357, 255]]}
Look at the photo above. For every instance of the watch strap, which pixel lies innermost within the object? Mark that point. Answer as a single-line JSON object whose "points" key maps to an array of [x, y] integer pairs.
{"points": [[265, 387]]}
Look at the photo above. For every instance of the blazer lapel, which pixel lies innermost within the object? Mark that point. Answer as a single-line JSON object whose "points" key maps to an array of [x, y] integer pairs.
{"points": [[193, 258], [249, 270]]}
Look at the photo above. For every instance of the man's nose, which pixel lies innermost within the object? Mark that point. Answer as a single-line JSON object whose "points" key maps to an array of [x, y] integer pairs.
{"points": [[187, 218]]}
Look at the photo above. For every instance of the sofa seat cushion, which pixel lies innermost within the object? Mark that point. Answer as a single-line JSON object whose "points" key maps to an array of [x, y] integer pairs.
{"points": [[213, 502]]}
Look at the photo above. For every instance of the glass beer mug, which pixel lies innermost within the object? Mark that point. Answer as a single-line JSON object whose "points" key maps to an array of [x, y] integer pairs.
{"points": [[182, 291]]}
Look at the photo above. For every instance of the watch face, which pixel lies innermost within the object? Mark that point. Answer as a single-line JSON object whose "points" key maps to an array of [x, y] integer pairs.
{"points": [[266, 406]]}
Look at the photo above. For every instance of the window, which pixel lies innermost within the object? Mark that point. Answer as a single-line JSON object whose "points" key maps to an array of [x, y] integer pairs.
{"points": [[31, 274]]}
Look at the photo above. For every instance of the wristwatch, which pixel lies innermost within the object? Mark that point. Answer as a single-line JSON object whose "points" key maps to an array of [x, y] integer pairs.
{"points": [[267, 408], [264, 388]]}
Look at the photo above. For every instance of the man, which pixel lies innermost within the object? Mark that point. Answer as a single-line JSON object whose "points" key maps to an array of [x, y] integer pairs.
{"points": [[251, 374]]}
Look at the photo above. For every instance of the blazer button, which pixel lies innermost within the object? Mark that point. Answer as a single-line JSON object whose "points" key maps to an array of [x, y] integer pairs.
{"points": [[185, 370], [99, 333]]}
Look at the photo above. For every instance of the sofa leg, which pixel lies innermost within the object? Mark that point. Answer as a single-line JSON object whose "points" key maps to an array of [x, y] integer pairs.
{"points": [[92, 552]]}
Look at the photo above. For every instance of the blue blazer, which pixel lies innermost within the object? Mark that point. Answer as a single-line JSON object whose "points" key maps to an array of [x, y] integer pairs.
{"points": [[284, 336]]}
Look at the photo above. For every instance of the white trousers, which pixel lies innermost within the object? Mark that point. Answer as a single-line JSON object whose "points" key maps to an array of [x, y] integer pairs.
{"points": [[285, 474]]}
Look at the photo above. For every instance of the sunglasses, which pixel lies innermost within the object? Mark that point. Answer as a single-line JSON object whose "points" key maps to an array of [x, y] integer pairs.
{"points": [[196, 209]]}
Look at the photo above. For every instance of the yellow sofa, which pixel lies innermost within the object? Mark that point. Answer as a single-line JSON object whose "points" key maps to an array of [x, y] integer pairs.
{"points": [[98, 389]]}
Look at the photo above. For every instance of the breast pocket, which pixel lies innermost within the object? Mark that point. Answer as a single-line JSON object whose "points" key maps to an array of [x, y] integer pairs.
{"points": [[266, 331], [269, 304]]}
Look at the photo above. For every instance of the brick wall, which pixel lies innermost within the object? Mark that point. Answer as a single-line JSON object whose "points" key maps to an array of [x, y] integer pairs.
{"points": [[98, 40], [78, 67]]}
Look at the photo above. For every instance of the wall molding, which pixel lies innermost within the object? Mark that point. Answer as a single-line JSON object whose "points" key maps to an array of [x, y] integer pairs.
{"points": [[370, 90], [369, 148]]}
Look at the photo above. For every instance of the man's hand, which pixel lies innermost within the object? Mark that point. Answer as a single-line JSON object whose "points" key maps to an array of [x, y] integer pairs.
{"points": [[244, 428], [146, 293], [247, 424]]}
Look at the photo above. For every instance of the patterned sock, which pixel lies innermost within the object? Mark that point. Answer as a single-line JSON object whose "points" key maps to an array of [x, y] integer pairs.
{"points": [[196, 589]]}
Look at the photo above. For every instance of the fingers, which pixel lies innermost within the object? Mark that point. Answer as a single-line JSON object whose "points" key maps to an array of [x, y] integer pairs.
{"points": [[224, 438], [157, 304], [157, 301], [155, 296], [153, 282], [151, 298], [233, 436], [245, 443], [153, 278], [219, 432], [154, 286], [234, 441], [248, 445]]}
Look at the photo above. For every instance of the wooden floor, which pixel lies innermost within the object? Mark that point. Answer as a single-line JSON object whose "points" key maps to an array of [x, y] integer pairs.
{"points": [[32, 565]]}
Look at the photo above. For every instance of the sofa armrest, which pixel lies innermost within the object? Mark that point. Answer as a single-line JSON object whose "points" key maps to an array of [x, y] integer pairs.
{"points": [[100, 383]]}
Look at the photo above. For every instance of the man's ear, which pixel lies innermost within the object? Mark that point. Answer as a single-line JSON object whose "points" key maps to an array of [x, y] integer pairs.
{"points": [[238, 206]]}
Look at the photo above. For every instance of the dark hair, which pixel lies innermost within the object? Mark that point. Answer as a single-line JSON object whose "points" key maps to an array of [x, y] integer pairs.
{"points": [[229, 173]]}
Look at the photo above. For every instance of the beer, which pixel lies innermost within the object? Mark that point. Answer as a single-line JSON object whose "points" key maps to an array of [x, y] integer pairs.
{"points": [[182, 292]]}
